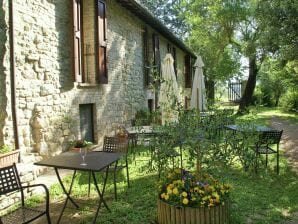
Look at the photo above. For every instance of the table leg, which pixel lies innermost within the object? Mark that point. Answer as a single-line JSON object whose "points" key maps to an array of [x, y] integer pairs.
{"points": [[67, 193], [100, 194]]}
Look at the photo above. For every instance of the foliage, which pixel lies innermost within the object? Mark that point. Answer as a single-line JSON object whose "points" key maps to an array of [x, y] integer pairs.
{"points": [[170, 13], [5, 149], [80, 143], [183, 188], [143, 117], [279, 21], [289, 102]]}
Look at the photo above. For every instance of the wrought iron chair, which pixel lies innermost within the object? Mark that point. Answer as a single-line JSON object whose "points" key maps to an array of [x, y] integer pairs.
{"points": [[263, 146], [115, 144], [10, 182]]}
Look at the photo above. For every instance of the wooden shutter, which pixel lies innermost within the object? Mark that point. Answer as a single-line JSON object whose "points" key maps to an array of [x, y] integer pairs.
{"points": [[156, 52], [77, 41], [102, 47], [187, 71], [169, 48], [175, 60], [146, 58]]}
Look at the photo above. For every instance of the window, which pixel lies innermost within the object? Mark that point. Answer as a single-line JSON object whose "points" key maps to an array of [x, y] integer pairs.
{"points": [[90, 53], [187, 71]]}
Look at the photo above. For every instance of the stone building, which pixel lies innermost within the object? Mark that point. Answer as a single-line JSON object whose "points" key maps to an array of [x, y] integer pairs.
{"points": [[77, 69]]}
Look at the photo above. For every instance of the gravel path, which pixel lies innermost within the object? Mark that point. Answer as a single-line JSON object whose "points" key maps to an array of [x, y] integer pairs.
{"points": [[289, 140], [290, 146]]}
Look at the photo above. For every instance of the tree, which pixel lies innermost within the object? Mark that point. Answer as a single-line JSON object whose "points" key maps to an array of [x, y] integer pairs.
{"points": [[213, 25], [169, 12]]}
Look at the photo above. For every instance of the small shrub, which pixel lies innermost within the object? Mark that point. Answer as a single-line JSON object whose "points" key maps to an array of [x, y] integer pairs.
{"points": [[5, 149], [289, 101]]}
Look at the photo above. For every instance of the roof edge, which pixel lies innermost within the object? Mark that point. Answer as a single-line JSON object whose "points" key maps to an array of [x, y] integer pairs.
{"points": [[142, 13]]}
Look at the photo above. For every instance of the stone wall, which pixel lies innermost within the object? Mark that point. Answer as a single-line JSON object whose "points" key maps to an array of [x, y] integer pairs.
{"points": [[6, 131], [47, 97]]}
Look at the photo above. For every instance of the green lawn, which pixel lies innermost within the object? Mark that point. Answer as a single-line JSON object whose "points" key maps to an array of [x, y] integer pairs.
{"points": [[262, 198], [256, 198]]}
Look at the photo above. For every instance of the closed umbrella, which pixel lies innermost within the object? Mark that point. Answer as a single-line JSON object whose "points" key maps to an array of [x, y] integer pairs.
{"points": [[168, 95], [198, 93]]}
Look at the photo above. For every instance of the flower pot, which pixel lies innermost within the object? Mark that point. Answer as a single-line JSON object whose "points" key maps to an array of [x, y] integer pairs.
{"points": [[9, 158], [170, 214]]}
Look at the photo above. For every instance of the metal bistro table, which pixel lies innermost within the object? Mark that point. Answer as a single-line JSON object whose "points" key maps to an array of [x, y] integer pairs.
{"points": [[258, 128], [96, 162]]}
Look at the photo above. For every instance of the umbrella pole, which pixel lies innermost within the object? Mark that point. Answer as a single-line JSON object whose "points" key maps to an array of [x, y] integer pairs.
{"points": [[198, 100]]}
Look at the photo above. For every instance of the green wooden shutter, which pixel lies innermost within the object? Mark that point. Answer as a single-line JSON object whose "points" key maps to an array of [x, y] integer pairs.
{"points": [[156, 52]]}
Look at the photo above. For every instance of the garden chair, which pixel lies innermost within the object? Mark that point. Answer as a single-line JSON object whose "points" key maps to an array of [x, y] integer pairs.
{"points": [[264, 146], [115, 144], [9, 183]]}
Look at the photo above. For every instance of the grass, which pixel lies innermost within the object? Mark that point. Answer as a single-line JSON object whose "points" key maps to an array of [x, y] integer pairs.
{"points": [[256, 198], [262, 198]]}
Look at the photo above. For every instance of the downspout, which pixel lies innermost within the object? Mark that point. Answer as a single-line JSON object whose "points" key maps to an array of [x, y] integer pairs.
{"points": [[12, 76]]}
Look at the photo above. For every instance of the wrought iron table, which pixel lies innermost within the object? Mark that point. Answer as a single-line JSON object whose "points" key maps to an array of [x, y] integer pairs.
{"points": [[258, 128], [96, 161]]}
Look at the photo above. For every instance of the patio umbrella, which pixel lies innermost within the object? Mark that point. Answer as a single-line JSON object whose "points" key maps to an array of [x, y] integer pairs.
{"points": [[198, 94], [168, 94]]}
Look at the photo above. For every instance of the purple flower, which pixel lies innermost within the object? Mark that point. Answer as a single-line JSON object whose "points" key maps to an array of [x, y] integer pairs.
{"points": [[202, 184]]}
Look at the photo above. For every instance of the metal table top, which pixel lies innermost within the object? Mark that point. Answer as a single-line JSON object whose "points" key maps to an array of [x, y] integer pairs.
{"points": [[258, 128], [96, 160]]}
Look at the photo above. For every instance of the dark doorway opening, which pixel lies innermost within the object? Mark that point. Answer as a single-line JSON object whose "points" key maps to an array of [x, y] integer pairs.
{"points": [[86, 122]]}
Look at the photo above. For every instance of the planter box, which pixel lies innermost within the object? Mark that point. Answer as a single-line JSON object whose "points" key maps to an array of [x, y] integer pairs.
{"points": [[170, 214], [9, 158]]}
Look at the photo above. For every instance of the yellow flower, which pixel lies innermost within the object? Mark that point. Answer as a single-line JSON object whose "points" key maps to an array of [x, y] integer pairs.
{"points": [[193, 198], [162, 195], [169, 191], [185, 201], [171, 186], [166, 197], [184, 194], [215, 194], [175, 190]]}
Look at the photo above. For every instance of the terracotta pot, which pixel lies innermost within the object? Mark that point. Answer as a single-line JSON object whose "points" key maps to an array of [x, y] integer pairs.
{"points": [[9, 158], [170, 214]]}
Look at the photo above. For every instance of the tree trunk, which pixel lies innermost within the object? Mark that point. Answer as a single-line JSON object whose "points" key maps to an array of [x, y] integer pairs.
{"points": [[250, 86]]}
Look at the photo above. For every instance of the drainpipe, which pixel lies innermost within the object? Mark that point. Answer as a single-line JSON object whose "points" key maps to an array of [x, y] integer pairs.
{"points": [[12, 76]]}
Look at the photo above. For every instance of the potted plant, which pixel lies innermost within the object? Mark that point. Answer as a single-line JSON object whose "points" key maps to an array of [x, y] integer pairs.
{"points": [[8, 156], [77, 144], [186, 197]]}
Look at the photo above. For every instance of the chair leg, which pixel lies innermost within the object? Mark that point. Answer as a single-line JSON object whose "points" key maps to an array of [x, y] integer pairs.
{"points": [[256, 163], [48, 217], [115, 182], [127, 174], [89, 183], [115, 186], [277, 160]]}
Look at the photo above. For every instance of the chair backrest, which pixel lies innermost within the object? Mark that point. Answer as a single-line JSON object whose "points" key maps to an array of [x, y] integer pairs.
{"points": [[115, 144], [9, 179], [271, 137]]}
